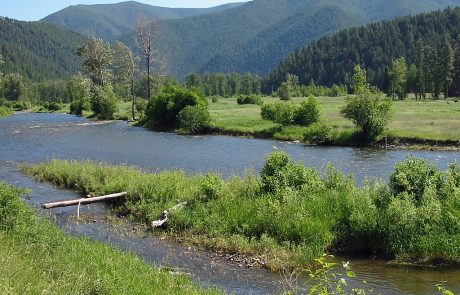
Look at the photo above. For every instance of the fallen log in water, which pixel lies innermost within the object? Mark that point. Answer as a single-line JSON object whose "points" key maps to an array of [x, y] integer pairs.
{"points": [[83, 201]]}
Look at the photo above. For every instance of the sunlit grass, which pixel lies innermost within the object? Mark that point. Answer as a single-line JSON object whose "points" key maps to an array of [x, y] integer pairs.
{"points": [[425, 120]]}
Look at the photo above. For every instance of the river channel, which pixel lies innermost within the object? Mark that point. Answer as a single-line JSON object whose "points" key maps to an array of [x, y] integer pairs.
{"points": [[31, 138]]}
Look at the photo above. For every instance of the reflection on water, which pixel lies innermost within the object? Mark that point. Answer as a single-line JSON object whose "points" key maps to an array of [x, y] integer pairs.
{"points": [[40, 137]]}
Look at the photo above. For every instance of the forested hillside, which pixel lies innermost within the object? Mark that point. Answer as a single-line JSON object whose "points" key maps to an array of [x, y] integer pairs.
{"points": [[419, 39], [37, 50], [109, 21], [257, 35]]}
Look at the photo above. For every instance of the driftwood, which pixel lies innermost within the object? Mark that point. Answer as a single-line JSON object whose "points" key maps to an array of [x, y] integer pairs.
{"points": [[83, 201], [164, 217]]}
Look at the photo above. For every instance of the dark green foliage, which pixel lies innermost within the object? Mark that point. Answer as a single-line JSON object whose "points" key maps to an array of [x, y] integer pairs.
{"points": [[286, 113], [163, 109], [13, 86], [316, 133], [78, 106], [103, 102], [37, 50], [308, 112], [51, 106], [48, 91], [371, 112], [225, 85], [278, 112], [320, 90], [331, 59], [249, 99], [194, 119]]}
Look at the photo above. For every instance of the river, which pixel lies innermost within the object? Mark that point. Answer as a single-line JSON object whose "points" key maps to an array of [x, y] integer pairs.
{"points": [[35, 138]]}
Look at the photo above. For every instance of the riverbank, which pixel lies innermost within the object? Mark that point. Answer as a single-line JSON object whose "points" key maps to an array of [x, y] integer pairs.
{"points": [[38, 257], [5, 112], [289, 215]]}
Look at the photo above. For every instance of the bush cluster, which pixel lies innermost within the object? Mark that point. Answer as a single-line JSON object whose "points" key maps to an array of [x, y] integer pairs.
{"points": [[286, 113], [163, 109], [249, 99]]}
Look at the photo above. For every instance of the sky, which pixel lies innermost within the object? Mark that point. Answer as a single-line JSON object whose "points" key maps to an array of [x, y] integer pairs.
{"points": [[32, 10]]}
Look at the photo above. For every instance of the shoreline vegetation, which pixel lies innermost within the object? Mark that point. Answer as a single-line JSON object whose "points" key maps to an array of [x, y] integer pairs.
{"points": [[289, 215], [38, 257], [409, 131]]}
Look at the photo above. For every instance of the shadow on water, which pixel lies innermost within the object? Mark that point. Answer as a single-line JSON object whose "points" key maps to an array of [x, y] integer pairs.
{"points": [[40, 137]]}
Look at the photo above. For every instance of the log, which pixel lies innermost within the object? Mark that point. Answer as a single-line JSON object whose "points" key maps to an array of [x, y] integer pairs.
{"points": [[83, 201]]}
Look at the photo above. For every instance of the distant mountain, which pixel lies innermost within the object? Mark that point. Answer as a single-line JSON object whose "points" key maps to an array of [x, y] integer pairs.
{"points": [[109, 21], [254, 36], [38, 50], [331, 59]]}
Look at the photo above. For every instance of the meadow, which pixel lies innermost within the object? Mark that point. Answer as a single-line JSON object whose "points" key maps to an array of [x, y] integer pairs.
{"points": [[289, 215], [39, 258], [431, 120]]}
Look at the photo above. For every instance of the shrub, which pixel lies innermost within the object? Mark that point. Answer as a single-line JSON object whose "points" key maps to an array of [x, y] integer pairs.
{"points": [[52, 106], [78, 106], [214, 99], [163, 109], [278, 112], [369, 111], [280, 172], [103, 102], [317, 133], [5, 111], [308, 112], [194, 119], [141, 104], [249, 99], [414, 176]]}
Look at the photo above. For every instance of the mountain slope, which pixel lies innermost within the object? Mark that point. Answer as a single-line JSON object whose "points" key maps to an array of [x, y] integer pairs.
{"points": [[331, 59], [318, 18], [257, 35], [109, 21], [37, 50]]}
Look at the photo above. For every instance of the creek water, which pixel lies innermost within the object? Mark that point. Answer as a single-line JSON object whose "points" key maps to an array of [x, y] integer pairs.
{"points": [[35, 138]]}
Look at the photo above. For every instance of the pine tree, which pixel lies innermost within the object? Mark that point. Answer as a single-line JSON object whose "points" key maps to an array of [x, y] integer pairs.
{"points": [[447, 65], [421, 74]]}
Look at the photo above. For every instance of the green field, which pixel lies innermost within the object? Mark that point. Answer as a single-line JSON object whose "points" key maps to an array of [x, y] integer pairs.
{"points": [[424, 120]]}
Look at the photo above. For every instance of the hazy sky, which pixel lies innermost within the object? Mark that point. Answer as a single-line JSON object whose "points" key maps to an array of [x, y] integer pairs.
{"points": [[38, 9]]}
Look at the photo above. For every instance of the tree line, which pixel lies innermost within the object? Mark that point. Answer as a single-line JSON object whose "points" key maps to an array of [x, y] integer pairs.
{"points": [[429, 44]]}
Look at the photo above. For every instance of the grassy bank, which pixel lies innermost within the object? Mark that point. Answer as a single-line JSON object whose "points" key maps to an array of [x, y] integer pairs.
{"points": [[5, 111], [419, 120], [38, 258], [289, 215]]}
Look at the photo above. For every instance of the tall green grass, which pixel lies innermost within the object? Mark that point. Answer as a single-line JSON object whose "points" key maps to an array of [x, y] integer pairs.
{"points": [[289, 215], [38, 258], [5, 111]]}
